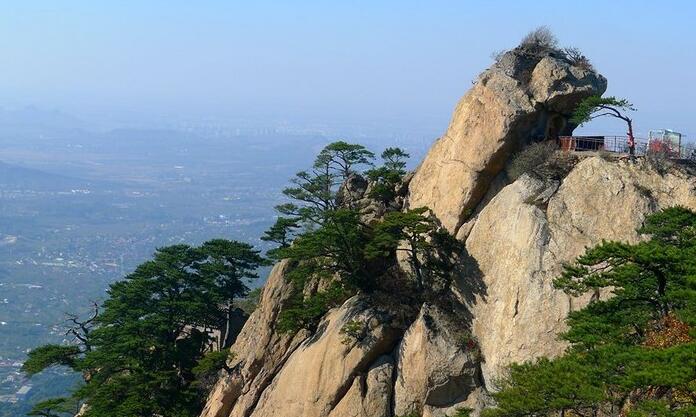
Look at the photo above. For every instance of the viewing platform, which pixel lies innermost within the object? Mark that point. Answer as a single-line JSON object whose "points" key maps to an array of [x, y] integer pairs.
{"points": [[672, 149]]}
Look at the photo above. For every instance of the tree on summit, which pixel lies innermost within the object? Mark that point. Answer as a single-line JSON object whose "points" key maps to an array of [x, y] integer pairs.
{"points": [[596, 106]]}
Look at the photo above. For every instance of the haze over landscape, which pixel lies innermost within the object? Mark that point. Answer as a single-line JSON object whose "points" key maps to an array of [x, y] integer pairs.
{"points": [[391, 65], [127, 126]]}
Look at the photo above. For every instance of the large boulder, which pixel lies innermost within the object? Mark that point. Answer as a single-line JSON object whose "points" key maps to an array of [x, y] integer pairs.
{"points": [[521, 98], [319, 373]]}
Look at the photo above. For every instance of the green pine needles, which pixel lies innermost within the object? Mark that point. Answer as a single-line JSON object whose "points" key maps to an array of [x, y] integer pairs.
{"points": [[327, 238], [631, 354], [143, 354]]}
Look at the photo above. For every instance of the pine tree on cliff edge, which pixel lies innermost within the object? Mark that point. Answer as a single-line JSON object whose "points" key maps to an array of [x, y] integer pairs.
{"points": [[632, 354]]}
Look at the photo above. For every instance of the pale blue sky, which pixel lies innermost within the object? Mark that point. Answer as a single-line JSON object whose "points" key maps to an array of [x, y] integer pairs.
{"points": [[357, 61]]}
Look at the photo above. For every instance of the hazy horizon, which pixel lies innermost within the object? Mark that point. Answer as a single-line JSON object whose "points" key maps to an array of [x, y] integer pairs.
{"points": [[399, 65]]}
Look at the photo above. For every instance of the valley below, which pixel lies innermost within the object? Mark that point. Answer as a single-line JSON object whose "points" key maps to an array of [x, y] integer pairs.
{"points": [[80, 209]]}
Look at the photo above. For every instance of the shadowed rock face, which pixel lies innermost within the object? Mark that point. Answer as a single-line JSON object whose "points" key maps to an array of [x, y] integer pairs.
{"points": [[436, 368], [519, 99]]}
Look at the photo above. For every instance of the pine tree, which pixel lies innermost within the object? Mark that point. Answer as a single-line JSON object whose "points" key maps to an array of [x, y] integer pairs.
{"points": [[633, 353], [386, 177], [150, 333], [54, 407]]}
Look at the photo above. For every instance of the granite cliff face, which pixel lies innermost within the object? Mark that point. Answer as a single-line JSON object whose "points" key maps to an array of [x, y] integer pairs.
{"points": [[520, 98], [432, 358]]}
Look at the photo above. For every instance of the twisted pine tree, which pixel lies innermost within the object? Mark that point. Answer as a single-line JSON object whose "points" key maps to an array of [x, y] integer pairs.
{"points": [[596, 106], [144, 355]]}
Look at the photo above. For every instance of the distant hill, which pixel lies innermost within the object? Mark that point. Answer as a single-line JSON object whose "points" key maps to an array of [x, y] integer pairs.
{"points": [[18, 177], [36, 118]]}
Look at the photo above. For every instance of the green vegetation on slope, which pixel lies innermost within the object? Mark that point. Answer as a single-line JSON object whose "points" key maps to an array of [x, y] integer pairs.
{"points": [[325, 232], [631, 354], [143, 353]]}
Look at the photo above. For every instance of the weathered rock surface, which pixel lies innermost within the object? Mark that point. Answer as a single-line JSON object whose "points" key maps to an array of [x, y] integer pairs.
{"points": [[437, 368], [518, 99], [323, 368], [523, 236], [259, 353], [370, 395]]}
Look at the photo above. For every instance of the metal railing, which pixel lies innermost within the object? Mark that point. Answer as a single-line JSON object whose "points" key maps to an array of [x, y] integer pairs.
{"points": [[619, 144]]}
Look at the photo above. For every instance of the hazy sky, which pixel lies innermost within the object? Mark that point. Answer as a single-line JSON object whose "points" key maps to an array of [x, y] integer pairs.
{"points": [[358, 61]]}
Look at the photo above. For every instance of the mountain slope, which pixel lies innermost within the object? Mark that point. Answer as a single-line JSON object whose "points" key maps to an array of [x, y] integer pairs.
{"points": [[17, 177]]}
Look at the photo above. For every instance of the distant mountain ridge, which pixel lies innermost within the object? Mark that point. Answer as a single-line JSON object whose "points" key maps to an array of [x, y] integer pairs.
{"points": [[18, 177]]}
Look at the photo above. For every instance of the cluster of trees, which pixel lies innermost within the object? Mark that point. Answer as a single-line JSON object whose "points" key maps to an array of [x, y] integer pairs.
{"points": [[327, 239], [631, 354], [143, 351]]}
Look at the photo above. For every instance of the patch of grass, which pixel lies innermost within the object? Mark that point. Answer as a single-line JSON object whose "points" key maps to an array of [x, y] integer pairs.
{"points": [[352, 331]]}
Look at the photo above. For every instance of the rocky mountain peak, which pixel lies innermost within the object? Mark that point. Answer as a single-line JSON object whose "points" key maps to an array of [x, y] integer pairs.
{"points": [[523, 97]]}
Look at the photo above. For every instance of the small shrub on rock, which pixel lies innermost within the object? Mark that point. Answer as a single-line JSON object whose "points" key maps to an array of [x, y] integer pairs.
{"points": [[354, 330], [605, 154], [208, 368], [498, 54], [557, 166], [540, 39], [533, 156], [577, 58], [659, 161]]}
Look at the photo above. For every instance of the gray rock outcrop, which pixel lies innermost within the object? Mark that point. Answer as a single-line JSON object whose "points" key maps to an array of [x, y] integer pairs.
{"points": [[519, 99]]}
